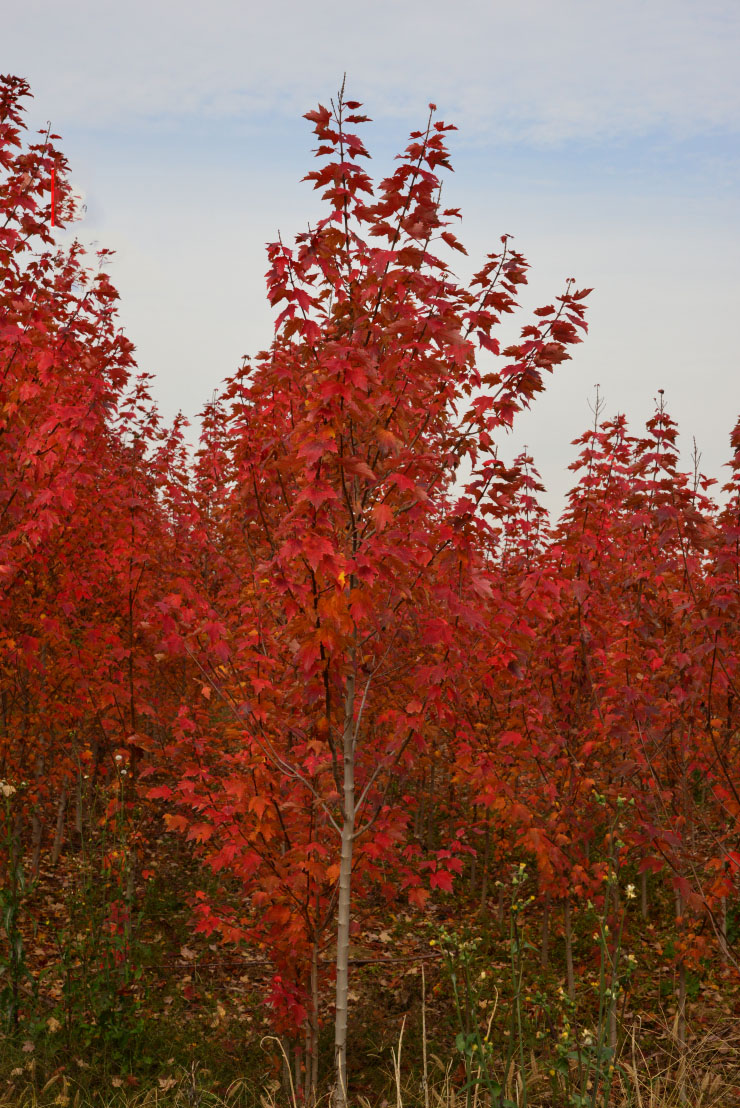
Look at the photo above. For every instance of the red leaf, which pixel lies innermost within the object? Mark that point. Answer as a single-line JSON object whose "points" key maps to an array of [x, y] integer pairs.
{"points": [[382, 515], [441, 880]]}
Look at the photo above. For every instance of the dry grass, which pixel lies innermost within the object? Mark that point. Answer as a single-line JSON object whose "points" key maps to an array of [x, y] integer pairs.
{"points": [[706, 1074], [184, 1090]]}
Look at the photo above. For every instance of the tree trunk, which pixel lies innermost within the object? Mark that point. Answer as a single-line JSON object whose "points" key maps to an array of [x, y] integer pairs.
{"points": [[37, 824], [430, 807], [344, 903], [419, 813], [425, 1068], [680, 1024], [681, 1034], [723, 947], [545, 948], [287, 1075], [569, 949], [16, 846], [484, 874], [56, 849], [643, 895], [501, 905], [79, 802], [312, 1045], [297, 1067], [473, 860], [37, 834]]}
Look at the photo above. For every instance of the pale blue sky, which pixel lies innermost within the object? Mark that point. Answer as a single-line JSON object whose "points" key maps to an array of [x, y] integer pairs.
{"points": [[603, 135]]}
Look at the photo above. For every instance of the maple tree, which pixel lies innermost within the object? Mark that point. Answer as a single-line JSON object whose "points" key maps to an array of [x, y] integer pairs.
{"points": [[64, 368], [347, 563], [77, 432], [608, 709]]}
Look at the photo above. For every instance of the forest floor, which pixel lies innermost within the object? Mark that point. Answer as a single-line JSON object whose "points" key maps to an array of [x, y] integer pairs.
{"points": [[179, 1020]]}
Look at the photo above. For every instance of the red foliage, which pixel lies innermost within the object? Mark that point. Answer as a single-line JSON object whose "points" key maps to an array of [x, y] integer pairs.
{"points": [[328, 654]]}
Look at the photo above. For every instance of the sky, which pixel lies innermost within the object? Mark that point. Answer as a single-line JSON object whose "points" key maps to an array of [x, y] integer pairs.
{"points": [[604, 136]]}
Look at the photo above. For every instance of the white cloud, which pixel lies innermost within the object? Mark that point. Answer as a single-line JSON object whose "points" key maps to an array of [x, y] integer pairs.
{"points": [[536, 70]]}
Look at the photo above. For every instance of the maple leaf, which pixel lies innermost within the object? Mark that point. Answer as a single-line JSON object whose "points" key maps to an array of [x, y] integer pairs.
{"points": [[382, 515], [441, 879]]}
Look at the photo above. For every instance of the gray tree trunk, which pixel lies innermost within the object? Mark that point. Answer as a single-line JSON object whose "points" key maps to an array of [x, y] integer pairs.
{"points": [[344, 902], [312, 1054]]}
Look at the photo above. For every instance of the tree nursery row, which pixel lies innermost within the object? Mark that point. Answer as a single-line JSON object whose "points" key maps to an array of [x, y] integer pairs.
{"points": [[326, 694]]}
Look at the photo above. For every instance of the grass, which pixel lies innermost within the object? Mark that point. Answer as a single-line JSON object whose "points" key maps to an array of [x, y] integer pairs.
{"points": [[181, 1025], [707, 1076]]}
